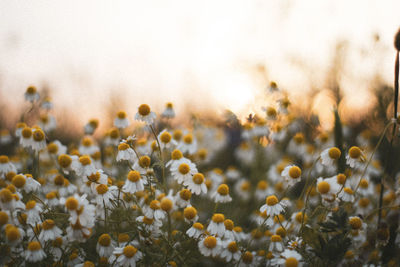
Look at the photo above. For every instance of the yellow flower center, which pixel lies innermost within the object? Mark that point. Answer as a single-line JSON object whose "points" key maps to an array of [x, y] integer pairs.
{"points": [[144, 109], [3, 218], [349, 254], [122, 238], [5, 195], [341, 178], [223, 190], [271, 112], [177, 135], [26, 132], [176, 154], [364, 202], [155, 205], [364, 183], [228, 224], [85, 160], [51, 195], [247, 257], [121, 115], [71, 203], [334, 153], [87, 142], [323, 187], [147, 220], [188, 139], [38, 135], [299, 217], [198, 178], [210, 242], [348, 190], [105, 240], [232, 247], [18, 181], [165, 137], [34, 246], [198, 226], [272, 200], [262, 185], [52, 148], [291, 262], [190, 213], [144, 161], [298, 138], [354, 152], [281, 232], [123, 146], [94, 123], [294, 172], [12, 233], [129, 251], [184, 168], [276, 238], [166, 204], [59, 180], [169, 105], [355, 223], [48, 224], [133, 176], [64, 160], [4, 159], [30, 204], [202, 153], [185, 194], [88, 264], [114, 133], [218, 218], [101, 189]]}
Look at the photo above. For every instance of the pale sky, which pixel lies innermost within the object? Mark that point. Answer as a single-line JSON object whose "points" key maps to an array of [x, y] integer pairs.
{"points": [[205, 53]]}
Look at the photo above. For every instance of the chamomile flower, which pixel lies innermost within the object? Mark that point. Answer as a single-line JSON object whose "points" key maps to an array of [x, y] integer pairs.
{"points": [[56, 148], [145, 114], [168, 111], [216, 225], [262, 190], [153, 210], [31, 184], [248, 259], [50, 231], [166, 141], [104, 246], [184, 172], [288, 258], [347, 194], [26, 139], [87, 168], [182, 199], [292, 174], [210, 246], [121, 121], [354, 157], [13, 234], [229, 225], [190, 214], [230, 251], [273, 206], [196, 184], [125, 152], [242, 188], [328, 188], [38, 140], [31, 94], [329, 156], [34, 252], [104, 194], [142, 165], [196, 230], [91, 126], [222, 194], [133, 183], [5, 137], [47, 122], [127, 256], [276, 244], [6, 166], [33, 210], [188, 144], [80, 209], [87, 146]]}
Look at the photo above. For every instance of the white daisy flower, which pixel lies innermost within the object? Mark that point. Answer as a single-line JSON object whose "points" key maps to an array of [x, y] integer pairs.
{"points": [[125, 152], [216, 225], [184, 172], [196, 184], [276, 244], [121, 121], [86, 167], [165, 139], [49, 231], [91, 126], [38, 140], [190, 214], [168, 111], [288, 258], [182, 199], [31, 94], [34, 252], [354, 157], [47, 122], [196, 230], [154, 211], [230, 251], [210, 246], [133, 183], [262, 190], [328, 188], [6, 166], [145, 114], [26, 139], [273, 206], [222, 194], [33, 210], [104, 194], [104, 246], [88, 147], [329, 156], [292, 174], [347, 194], [127, 256], [188, 144], [13, 234]]}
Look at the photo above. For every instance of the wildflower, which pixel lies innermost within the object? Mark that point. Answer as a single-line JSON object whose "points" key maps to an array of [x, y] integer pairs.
{"points": [[196, 230], [143, 164], [104, 194], [230, 251], [182, 199], [229, 225], [354, 156], [133, 183], [292, 174], [86, 166], [169, 111], [347, 194], [276, 244], [47, 104], [6, 166], [209, 246], [196, 184], [31, 184], [50, 231], [145, 114], [33, 211], [80, 209], [38, 140], [13, 234], [47, 122], [121, 121], [273, 206], [125, 152], [167, 204], [51, 199], [31, 94], [188, 144], [91, 126], [355, 222], [288, 258], [222, 194], [166, 140], [216, 225], [154, 210], [104, 246], [87, 146], [328, 188], [127, 256], [26, 139], [329, 155], [34, 253], [190, 214], [183, 173], [239, 234], [232, 173], [247, 259], [56, 148]]}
